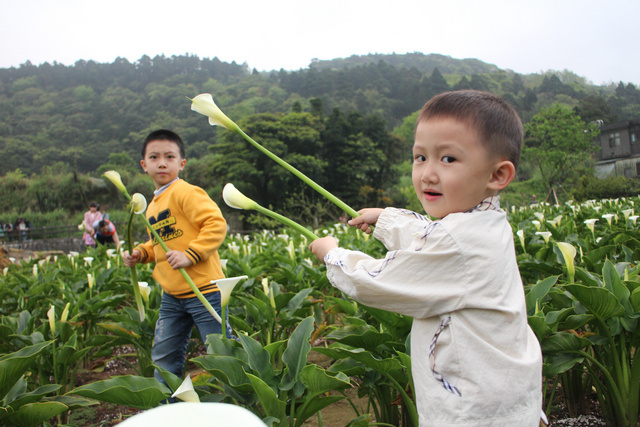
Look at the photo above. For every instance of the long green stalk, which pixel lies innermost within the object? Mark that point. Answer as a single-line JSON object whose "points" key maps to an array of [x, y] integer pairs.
{"points": [[134, 272], [308, 234], [339, 203]]}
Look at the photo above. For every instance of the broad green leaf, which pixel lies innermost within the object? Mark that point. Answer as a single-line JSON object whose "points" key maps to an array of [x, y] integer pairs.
{"points": [[31, 397], [539, 326], [560, 363], [318, 381], [229, 370], [366, 336], [614, 283], [171, 379], [361, 355], [601, 302], [129, 390], [33, 414], [635, 300], [341, 306], [271, 405], [13, 365], [538, 292], [563, 342], [296, 353], [259, 360]]}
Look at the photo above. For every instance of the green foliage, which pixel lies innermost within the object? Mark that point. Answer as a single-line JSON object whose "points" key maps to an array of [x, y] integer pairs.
{"points": [[557, 141], [590, 187]]}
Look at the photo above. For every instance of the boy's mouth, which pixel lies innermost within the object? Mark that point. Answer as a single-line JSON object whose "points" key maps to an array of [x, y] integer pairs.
{"points": [[431, 195]]}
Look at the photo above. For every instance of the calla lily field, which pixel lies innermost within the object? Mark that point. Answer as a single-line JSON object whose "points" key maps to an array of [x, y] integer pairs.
{"points": [[582, 288]]}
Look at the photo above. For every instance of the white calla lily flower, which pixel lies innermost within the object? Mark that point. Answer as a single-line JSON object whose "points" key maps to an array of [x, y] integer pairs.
{"points": [[145, 290], [537, 224], [138, 203], [204, 105], [235, 199], [546, 235], [520, 234], [226, 287], [569, 253], [634, 218], [186, 392], [65, 313], [88, 260], [51, 314], [608, 217], [115, 178]]}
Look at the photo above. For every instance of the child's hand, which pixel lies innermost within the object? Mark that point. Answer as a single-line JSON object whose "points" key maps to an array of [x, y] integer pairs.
{"points": [[178, 259], [320, 247], [368, 217], [131, 260]]}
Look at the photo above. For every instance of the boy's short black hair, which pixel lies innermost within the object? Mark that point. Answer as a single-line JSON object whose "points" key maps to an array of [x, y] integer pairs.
{"points": [[164, 135], [497, 122], [103, 223]]}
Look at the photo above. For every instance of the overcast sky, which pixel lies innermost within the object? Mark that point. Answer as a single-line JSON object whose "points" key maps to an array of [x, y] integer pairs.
{"points": [[598, 40]]}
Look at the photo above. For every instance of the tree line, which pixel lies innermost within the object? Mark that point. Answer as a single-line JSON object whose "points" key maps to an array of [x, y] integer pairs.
{"points": [[346, 123]]}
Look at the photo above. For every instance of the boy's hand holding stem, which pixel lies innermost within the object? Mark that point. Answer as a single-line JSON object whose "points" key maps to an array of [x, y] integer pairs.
{"points": [[367, 218]]}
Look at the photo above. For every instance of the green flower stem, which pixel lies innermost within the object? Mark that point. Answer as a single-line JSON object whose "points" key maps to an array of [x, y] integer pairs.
{"points": [[134, 272], [308, 234], [223, 323], [339, 203], [186, 277]]}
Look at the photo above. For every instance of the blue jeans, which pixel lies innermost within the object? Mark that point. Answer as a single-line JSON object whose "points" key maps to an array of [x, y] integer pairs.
{"points": [[173, 330]]}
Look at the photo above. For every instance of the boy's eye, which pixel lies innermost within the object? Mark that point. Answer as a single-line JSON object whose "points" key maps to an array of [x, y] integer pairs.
{"points": [[418, 158], [448, 159]]}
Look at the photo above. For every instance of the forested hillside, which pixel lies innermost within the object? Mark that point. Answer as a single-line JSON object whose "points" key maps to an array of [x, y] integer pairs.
{"points": [[334, 120]]}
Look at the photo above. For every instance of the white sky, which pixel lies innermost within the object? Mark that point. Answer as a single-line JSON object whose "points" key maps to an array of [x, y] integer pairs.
{"points": [[596, 39]]}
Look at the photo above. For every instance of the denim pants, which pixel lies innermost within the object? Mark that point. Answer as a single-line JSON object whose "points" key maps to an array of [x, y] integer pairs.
{"points": [[173, 330]]}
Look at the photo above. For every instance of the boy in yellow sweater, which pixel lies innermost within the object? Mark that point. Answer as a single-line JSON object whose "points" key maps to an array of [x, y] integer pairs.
{"points": [[193, 228]]}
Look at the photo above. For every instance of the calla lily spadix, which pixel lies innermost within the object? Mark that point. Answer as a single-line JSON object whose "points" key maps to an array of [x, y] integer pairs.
{"points": [[136, 207], [226, 287], [235, 199], [568, 253], [204, 105]]}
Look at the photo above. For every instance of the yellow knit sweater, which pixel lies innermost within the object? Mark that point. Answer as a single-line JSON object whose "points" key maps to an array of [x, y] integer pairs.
{"points": [[187, 220]]}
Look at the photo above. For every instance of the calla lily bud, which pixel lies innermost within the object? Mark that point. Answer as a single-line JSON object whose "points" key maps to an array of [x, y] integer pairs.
{"points": [[90, 280], [51, 314], [186, 392], [35, 270], [65, 313], [81, 227], [569, 253], [145, 290], [114, 177], [138, 203], [520, 234], [235, 199], [204, 105]]}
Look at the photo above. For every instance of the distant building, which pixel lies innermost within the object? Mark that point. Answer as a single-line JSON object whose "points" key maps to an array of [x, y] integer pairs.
{"points": [[619, 153]]}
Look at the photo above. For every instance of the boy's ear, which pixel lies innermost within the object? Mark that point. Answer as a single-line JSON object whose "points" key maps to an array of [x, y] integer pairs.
{"points": [[502, 175], [143, 165]]}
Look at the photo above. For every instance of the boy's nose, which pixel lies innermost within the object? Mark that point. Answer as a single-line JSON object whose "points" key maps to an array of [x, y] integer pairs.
{"points": [[429, 174]]}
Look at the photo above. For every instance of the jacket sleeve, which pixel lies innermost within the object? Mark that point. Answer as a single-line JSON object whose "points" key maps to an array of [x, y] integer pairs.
{"points": [[205, 215]]}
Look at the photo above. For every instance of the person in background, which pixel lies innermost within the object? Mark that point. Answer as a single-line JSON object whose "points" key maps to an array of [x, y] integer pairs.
{"points": [[90, 218], [105, 232]]}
